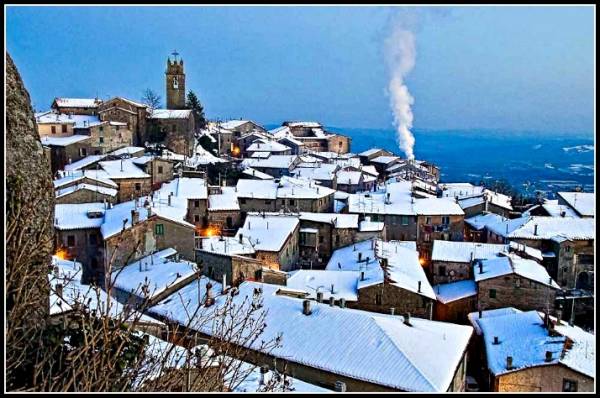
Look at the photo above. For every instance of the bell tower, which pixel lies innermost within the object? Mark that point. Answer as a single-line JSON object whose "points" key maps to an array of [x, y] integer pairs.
{"points": [[175, 79]]}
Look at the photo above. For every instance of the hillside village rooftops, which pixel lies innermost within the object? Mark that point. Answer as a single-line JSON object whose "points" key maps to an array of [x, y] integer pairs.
{"points": [[582, 202], [153, 274], [87, 161], [268, 232], [78, 216], [513, 264], [79, 187], [227, 245], [453, 291], [272, 162], [375, 348], [122, 169], [171, 114], [63, 141], [226, 200], [523, 336], [464, 252], [337, 284], [532, 227], [77, 102]]}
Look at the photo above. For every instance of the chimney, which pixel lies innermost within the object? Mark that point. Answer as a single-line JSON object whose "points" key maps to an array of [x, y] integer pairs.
{"points": [[340, 386], [331, 301], [241, 238], [342, 302], [407, 319], [121, 164], [509, 362], [209, 298], [480, 314], [319, 297], [306, 307], [59, 289], [149, 211], [419, 288], [496, 340], [480, 267], [548, 356], [392, 310], [535, 229], [359, 257], [224, 281], [559, 312], [135, 216], [263, 371], [332, 288]]}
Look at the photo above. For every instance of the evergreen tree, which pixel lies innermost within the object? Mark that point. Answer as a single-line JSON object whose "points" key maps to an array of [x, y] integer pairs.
{"points": [[194, 104]]}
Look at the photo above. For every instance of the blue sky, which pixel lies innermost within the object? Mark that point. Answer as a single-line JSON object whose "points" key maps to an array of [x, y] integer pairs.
{"points": [[514, 68]]}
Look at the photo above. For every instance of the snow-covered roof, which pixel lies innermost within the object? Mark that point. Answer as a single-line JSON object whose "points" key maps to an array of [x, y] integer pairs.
{"points": [[367, 225], [348, 177], [530, 251], [338, 220], [449, 292], [94, 298], [157, 272], [78, 121], [128, 150], [303, 124], [227, 245], [460, 190], [259, 189], [385, 159], [318, 171], [260, 155], [94, 188], [272, 162], [523, 336], [232, 124], [268, 232], [556, 210], [461, 252], [480, 221], [68, 177], [547, 228], [185, 188], [337, 284], [405, 270], [375, 348], [226, 200], [369, 152], [77, 102], [124, 168], [78, 216], [63, 141], [87, 161], [171, 114], [512, 264], [257, 174], [262, 145], [287, 187], [582, 202]]}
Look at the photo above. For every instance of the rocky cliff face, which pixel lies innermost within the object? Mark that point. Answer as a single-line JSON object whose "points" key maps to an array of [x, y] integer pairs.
{"points": [[29, 229]]}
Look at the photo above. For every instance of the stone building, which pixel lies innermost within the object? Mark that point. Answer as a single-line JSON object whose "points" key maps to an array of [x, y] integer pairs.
{"points": [[176, 129], [455, 301], [528, 352], [86, 193], [64, 151], [313, 137], [512, 281], [124, 110], [131, 180], [224, 210], [160, 170], [107, 136]]}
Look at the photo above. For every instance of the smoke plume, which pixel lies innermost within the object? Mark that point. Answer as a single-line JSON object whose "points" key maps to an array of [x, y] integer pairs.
{"points": [[400, 53]]}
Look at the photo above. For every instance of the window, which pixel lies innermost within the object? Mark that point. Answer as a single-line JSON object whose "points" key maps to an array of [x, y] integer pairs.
{"points": [[445, 220], [569, 385], [492, 293], [243, 201], [83, 152], [428, 220], [229, 222], [404, 220], [196, 218], [196, 203], [53, 128], [159, 229], [378, 299], [117, 127], [101, 128], [442, 270], [138, 186], [102, 140], [267, 202], [518, 282], [64, 128], [71, 240], [292, 202], [160, 169]]}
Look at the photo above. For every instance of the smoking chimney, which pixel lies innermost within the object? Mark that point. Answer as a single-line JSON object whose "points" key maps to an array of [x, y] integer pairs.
{"points": [[306, 307]]}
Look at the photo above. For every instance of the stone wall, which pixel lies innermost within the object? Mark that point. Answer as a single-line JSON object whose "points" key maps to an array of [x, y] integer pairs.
{"points": [[128, 188], [515, 291], [548, 378], [391, 296], [447, 271], [85, 196]]}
